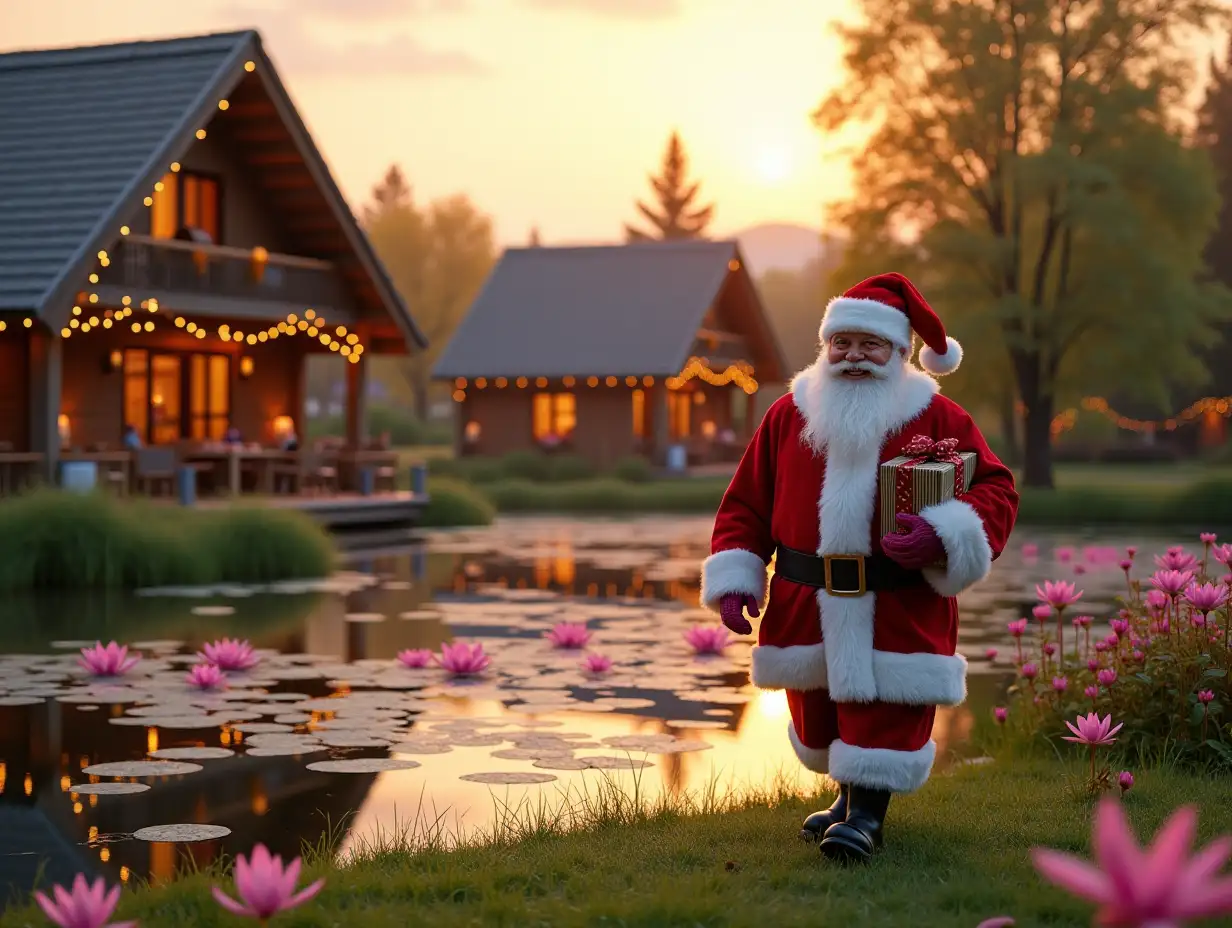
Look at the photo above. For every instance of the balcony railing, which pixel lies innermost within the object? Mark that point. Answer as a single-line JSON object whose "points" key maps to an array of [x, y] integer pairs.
{"points": [[142, 264]]}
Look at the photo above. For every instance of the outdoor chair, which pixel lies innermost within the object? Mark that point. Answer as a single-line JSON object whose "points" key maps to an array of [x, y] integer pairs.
{"points": [[310, 470], [154, 468]]}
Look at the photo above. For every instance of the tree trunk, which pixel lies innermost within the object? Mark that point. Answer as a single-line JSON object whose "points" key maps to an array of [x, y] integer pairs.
{"points": [[1009, 430], [1037, 451]]}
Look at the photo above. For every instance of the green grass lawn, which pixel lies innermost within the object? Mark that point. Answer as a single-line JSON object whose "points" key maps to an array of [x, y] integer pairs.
{"points": [[1130, 476], [957, 853]]}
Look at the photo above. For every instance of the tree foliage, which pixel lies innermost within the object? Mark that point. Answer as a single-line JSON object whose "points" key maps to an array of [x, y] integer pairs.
{"points": [[1029, 161], [438, 257], [674, 216]]}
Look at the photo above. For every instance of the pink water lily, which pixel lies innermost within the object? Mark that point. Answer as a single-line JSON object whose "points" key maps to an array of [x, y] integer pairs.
{"points": [[1058, 593], [1177, 558], [1030, 549], [597, 663], [1222, 553], [569, 635], [1000, 921], [265, 886], [1160, 886], [109, 660], [86, 905], [1171, 582], [205, 677], [707, 639], [464, 660], [230, 654], [415, 658], [1206, 597], [1090, 729]]}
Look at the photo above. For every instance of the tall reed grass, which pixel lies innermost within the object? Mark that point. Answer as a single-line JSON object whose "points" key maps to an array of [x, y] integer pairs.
{"points": [[50, 539]]}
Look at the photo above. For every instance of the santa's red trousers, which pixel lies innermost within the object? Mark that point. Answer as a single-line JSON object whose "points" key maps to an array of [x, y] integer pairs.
{"points": [[819, 721]]}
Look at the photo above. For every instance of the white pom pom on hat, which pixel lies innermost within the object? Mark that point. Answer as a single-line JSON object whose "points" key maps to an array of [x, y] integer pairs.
{"points": [[890, 306]]}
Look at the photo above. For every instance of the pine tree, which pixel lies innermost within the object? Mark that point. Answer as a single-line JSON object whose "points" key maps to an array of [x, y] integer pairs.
{"points": [[677, 218], [534, 242]]}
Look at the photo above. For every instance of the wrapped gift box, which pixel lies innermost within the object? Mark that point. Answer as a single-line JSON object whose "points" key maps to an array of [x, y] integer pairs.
{"points": [[929, 472]]}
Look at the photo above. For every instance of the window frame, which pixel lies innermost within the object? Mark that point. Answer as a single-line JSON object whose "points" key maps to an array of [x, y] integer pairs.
{"points": [[146, 427]]}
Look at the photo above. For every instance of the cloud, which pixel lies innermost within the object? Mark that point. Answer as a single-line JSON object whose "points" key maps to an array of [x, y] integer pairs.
{"points": [[614, 9], [297, 47]]}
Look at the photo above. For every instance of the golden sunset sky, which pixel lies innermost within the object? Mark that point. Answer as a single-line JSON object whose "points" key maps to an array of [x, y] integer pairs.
{"points": [[546, 112]]}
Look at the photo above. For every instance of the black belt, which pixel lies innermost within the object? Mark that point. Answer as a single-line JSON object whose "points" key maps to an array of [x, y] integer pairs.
{"points": [[844, 574]]}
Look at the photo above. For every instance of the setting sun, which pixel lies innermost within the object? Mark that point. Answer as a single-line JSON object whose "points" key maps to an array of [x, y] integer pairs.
{"points": [[773, 164]]}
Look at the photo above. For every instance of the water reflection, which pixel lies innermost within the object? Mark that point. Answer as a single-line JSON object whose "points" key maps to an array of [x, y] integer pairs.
{"points": [[329, 688]]}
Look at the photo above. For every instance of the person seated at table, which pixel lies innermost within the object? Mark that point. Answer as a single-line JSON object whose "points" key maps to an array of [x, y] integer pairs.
{"points": [[289, 441], [130, 439], [232, 436]]}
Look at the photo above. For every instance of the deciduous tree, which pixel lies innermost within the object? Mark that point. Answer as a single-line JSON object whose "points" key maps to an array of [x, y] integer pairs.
{"points": [[1033, 156], [438, 258], [674, 215]]}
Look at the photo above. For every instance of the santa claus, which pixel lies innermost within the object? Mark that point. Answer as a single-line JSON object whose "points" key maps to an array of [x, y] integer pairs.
{"points": [[860, 629]]}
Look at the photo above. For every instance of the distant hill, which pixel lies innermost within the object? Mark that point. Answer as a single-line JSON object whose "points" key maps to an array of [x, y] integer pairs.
{"points": [[779, 246]]}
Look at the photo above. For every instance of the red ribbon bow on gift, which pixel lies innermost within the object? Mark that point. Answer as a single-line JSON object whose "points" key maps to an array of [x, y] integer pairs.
{"points": [[943, 450]]}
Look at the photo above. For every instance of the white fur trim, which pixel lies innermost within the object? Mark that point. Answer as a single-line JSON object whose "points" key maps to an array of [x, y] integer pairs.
{"points": [[815, 759], [967, 552], [920, 679], [796, 667], [845, 511], [881, 768], [945, 363], [733, 571], [848, 314]]}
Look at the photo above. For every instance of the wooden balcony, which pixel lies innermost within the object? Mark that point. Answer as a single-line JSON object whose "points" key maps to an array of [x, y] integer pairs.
{"points": [[221, 279]]}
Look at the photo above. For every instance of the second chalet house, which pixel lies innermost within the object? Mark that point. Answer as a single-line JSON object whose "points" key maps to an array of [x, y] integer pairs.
{"points": [[172, 250]]}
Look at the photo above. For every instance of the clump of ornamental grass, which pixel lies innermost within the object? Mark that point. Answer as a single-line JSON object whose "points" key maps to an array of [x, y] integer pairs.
{"points": [[1162, 668]]}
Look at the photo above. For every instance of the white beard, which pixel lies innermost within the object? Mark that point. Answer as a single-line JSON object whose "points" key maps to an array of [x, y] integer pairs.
{"points": [[850, 417]]}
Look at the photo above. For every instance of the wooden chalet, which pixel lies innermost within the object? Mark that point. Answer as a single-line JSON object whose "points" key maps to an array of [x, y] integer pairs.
{"points": [[173, 250], [613, 351]]}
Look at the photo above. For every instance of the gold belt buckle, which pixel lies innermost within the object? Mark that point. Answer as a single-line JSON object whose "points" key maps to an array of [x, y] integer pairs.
{"points": [[829, 559]]}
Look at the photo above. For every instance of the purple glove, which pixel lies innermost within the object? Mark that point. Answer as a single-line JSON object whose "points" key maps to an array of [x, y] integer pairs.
{"points": [[731, 610], [919, 547]]}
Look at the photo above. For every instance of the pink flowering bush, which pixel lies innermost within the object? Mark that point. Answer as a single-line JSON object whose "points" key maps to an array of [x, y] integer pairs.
{"points": [[1159, 663]]}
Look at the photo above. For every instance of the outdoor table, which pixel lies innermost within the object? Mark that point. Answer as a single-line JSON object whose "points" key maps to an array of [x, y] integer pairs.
{"points": [[120, 462], [234, 457], [17, 462]]}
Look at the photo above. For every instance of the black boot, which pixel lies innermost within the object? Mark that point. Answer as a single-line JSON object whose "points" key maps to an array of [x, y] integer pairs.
{"points": [[855, 839], [816, 824]]}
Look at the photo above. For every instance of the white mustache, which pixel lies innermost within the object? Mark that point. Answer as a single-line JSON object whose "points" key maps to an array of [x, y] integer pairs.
{"points": [[841, 367]]}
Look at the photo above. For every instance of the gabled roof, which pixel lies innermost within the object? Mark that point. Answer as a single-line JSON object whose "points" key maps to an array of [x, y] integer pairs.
{"points": [[86, 132], [605, 310]]}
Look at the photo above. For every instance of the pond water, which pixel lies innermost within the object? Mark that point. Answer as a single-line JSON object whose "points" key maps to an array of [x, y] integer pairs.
{"points": [[419, 751]]}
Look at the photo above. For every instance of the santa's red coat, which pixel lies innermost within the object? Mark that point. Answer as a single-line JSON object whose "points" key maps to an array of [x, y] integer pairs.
{"points": [[893, 647]]}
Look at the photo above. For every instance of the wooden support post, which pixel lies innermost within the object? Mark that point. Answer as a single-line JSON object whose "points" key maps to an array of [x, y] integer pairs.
{"points": [[46, 375], [659, 422], [356, 403]]}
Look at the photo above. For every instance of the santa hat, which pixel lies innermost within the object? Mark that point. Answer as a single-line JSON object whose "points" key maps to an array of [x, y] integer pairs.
{"points": [[890, 306]]}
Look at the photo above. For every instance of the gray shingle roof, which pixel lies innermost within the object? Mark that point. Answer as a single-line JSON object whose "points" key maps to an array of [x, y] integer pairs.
{"points": [[607, 310], [85, 133], [79, 129]]}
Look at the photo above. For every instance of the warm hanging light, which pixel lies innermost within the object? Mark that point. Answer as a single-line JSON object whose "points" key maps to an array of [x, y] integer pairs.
{"points": [[246, 366]]}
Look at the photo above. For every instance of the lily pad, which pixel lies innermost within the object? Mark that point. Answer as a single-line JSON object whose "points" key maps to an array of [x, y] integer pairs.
{"points": [[192, 753], [524, 778], [363, 765], [140, 768], [179, 834], [108, 789]]}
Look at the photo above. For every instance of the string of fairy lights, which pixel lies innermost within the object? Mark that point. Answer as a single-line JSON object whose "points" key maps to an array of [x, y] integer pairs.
{"points": [[740, 373], [87, 315], [1207, 406]]}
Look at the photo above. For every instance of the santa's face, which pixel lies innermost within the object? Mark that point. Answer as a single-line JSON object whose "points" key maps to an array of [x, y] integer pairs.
{"points": [[860, 356]]}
